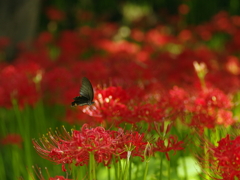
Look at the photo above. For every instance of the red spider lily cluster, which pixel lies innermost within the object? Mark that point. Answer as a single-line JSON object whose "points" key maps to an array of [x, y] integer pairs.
{"points": [[106, 145], [17, 82], [206, 107], [130, 78], [224, 160], [150, 76]]}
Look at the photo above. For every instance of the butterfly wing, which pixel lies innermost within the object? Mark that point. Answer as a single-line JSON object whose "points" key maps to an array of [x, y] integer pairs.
{"points": [[80, 101], [87, 89]]}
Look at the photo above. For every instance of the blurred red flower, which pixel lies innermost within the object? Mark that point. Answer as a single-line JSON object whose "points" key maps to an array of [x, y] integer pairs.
{"points": [[17, 83], [183, 9], [76, 116], [55, 14], [12, 139], [55, 83]]}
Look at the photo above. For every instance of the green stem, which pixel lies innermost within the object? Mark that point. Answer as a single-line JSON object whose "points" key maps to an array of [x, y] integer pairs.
{"points": [[119, 168], [23, 121], [39, 116], [130, 170], [28, 146], [137, 172], [2, 168], [81, 172], [184, 165], [74, 172], [146, 170], [92, 169], [109, 173], [206, 155], [124, 174], [169, 170], [90, 166], [3, 128], [18, 115], [116, 168], [161, 166], [15, 160]]}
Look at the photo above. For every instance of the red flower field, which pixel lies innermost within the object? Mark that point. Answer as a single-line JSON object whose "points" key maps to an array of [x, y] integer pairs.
{"points": [[164, 96]]}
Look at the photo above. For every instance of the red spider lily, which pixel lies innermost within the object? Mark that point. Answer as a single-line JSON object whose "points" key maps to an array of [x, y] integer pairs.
{"points": [[221, 22], [225, 81], [58, 178], [114, 93], [148, 113], [177, 99], [114, 105], [55, 14], [206, 108], [44, 38], [211, 107], [213, 98], [185, 35], [166, 144], [109, 103], [40, 56], [137, 35], [88, 69], [232, 65], [203, 120], [75, 148], [32, 70], [66, 150], [225, 117], [70, 45], [133, 142], [55, 83], [172, 144], [122, 71], [108, 29], [16, 85], [122, 47], [12, 139], [235, 44], [157, 37], [123, 57], [225, 158]]}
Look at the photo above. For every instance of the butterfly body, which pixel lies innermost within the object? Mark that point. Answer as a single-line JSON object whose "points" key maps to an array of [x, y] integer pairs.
{"points": [[86, 94]]}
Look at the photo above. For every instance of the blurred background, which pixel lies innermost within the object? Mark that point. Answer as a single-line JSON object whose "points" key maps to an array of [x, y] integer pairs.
{"points": [[22, 20], [127, 49]]}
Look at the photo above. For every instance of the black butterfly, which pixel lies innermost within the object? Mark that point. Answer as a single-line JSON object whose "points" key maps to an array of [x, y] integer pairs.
{"points": [[86, 94]]}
